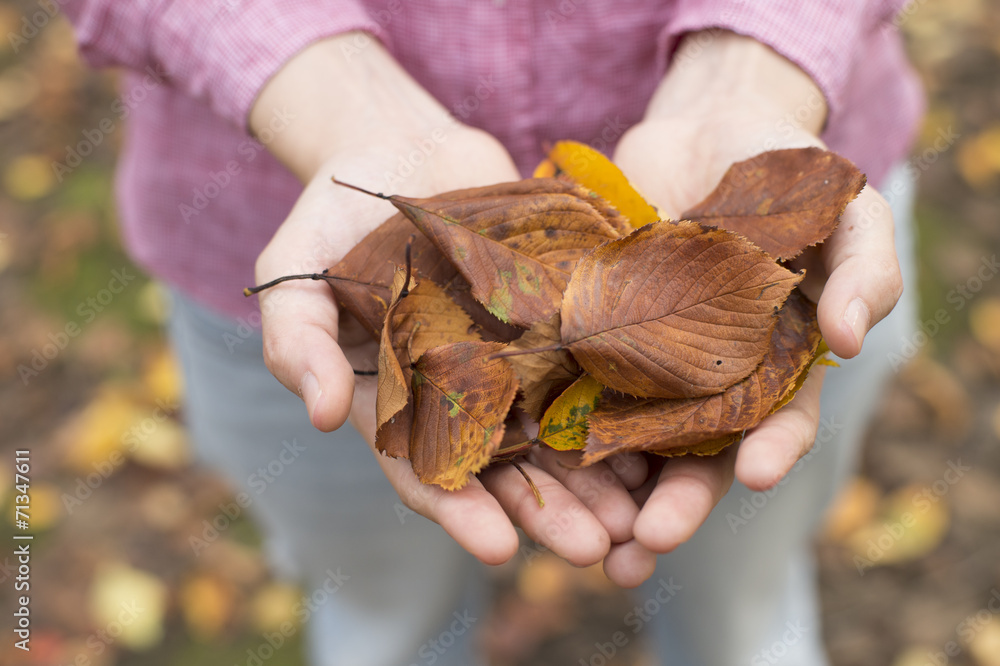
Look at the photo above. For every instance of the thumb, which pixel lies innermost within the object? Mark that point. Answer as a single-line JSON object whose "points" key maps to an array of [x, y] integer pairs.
{"points": [[300, 321], [864, 280]]}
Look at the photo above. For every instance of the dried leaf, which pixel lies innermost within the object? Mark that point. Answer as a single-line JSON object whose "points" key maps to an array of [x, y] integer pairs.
{"points": [[673, 310], [516, 249], [584, 165], [782, 200], [365, 277], [543, 376], [461, 398], [117, 586], [564, 425], [426, 317], [621, 424]]}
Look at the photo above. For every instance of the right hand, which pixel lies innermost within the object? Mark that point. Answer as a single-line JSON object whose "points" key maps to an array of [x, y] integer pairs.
{"points": [[312, 351]]}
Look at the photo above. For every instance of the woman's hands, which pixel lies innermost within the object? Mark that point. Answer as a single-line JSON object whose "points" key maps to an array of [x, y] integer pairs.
{"points": [[725, 99], [372, 125]]}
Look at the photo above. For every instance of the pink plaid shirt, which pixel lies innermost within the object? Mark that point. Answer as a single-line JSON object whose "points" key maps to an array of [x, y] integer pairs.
{"points": [[199, 199]]}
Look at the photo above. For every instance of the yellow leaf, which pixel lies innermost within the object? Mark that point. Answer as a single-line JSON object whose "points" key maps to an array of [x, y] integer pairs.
{"points": [[984, 321], [979, 157], [130, 604], [852, 509], [46, 505], [163, 443], [162, 378], [597, 173], [154, 303], [984, 645], [564, 424], [546, 579], [912, 522], [273, 606], [96, 436], [29, 177], [206, 604]]}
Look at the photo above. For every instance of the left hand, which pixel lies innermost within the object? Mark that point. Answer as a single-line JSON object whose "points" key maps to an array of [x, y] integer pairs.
{"points": [[693, 131]]}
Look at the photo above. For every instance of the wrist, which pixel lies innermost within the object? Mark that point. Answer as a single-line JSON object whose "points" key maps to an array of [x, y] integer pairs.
{"points": [[333, 100], [717, 71]]}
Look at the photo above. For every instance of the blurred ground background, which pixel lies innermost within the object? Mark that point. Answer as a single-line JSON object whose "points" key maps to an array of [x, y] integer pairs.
{"points": [[114, 524]]}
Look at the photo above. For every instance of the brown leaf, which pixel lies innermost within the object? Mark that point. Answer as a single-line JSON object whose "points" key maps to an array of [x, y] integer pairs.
{"points": [[461, 399], [515, 248], [426, 317], [673, 310], [368, 269], [543, 376], [782, 200], [367, 276], [622, 424]]}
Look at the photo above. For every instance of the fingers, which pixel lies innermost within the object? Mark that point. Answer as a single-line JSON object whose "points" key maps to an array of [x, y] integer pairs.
{"points": [[598, 487], [771, 449], [300, 349], [629, 564], [864, 280], [471, 516], [631, 468], [564, 525], [688, 489]]}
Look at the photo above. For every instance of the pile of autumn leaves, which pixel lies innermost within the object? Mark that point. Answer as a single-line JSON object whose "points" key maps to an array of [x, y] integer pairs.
{"points": [[564, 305]]}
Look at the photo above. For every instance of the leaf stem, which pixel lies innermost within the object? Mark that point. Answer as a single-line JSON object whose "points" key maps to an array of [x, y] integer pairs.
{"points": [[506, 453], [531, 484], [356, 188], [250, 291]]}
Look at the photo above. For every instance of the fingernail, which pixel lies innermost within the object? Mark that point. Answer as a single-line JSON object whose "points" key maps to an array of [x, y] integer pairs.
{"points": [[857, 317], [310, 391]]}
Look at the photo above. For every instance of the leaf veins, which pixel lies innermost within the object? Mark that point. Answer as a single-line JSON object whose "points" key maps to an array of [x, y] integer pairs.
{"points": [[782, 200], [461, 397], [659, 425], [673, 310]]}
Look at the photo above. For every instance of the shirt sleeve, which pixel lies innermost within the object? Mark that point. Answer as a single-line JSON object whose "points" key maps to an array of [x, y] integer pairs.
{"points": [[822, 38], [218, 51]]}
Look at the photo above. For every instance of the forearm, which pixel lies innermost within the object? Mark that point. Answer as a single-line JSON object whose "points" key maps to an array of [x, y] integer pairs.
{"points": [[717, 70], [337, 99]]}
